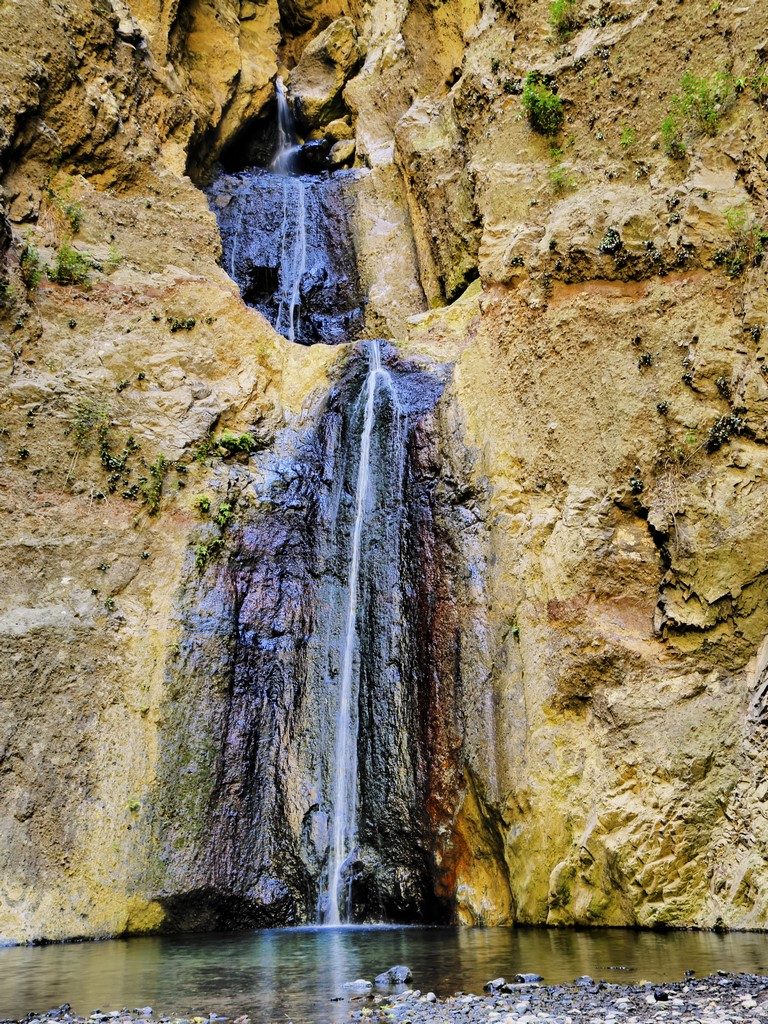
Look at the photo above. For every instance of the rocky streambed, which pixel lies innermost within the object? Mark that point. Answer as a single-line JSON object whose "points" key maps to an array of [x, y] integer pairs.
{"points": [[716, 999]]}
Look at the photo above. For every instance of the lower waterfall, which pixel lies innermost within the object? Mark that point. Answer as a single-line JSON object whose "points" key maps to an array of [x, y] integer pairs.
{"points": [[343, 830]]}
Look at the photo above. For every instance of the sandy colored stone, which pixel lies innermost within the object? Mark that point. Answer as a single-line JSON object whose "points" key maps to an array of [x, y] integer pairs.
{"points": [[316, 83]]}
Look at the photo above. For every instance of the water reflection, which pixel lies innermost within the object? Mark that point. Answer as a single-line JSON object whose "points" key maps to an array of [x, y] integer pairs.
{"points": [[297, 973]]}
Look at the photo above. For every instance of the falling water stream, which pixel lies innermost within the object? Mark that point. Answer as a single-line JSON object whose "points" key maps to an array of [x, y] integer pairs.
{"points": [[345, 755]]}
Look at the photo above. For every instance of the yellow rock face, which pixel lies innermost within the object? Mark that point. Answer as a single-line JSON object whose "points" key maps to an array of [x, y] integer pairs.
{"points": [[610, 401]]}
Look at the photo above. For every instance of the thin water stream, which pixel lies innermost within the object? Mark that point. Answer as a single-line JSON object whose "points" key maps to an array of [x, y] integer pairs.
{"points": [[295, 974]]}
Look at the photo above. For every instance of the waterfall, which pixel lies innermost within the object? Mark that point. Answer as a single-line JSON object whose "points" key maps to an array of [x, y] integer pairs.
{"points": [[286, 134], [286, 236], [325, 768], [345, 753], [293, 257]]}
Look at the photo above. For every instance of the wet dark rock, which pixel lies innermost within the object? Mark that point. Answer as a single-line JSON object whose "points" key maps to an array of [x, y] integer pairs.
{"points": [[528, 979], [250, 695], [314, 156], [263, 217]]}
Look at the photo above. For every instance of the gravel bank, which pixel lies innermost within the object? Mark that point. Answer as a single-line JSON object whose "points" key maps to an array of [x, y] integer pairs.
{"points": [[720, 998]]}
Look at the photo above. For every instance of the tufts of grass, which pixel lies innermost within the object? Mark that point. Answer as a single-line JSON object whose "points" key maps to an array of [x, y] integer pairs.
{"points": [[696, 110]]}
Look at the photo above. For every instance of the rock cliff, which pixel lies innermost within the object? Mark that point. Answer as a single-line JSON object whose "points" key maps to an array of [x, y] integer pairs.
{"points": [[559, 211]]}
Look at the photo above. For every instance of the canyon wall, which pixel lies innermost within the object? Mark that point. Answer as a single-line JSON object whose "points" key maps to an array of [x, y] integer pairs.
{"points": [[595, 469]]}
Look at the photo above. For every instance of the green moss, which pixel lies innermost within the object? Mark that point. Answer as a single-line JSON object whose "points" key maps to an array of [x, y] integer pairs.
{"points": [[543, 107]]}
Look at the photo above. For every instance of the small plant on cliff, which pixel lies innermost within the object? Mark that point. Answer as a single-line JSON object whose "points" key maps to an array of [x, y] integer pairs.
{"points": [[543, 107], [181, 323], [70, 209], [207, 550], [202, 503], [750, 241], [628, 136], [563, 18], [30, 265], [88, 415], [152, 487], [723, 430], [224, 514], [231, 443], [696, 110], [560, 180], [71, 266]]}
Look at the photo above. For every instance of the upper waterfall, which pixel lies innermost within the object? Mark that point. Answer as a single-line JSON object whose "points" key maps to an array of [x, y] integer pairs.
{"points": [[288, 242]]}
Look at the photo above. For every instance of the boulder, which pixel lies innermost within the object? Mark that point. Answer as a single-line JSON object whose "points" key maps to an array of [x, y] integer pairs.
{"points": [[358, 987], [495, 985], [397, 975], [341, 153], [315, 85]]}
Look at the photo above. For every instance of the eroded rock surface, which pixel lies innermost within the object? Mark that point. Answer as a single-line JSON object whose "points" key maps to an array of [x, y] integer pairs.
{"points": [[599, 444]]}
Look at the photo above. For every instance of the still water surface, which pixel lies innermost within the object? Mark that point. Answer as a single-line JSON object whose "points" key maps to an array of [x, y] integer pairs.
{"points": [[293, 974]]}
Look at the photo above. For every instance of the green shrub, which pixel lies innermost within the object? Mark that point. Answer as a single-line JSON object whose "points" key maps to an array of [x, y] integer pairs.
{"points": [[74, 213], [30, 265], [563, 18], [231, 443], [202, 503], [696, 110], [543, 107], [71, 266]]}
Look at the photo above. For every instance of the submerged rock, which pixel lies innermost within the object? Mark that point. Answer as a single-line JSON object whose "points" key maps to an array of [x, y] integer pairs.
{"points": [[358, 987]]}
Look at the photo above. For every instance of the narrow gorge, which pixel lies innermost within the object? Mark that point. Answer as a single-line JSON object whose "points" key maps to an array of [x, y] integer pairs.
{"points": [[383, 461]]}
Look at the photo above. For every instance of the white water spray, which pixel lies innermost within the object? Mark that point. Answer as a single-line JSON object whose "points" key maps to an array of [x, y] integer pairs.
{"points": [[345, 754], [286, 136]]}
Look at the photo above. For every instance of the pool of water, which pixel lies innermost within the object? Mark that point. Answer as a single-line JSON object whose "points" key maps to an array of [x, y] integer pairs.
{"points": [[296, 974]]}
